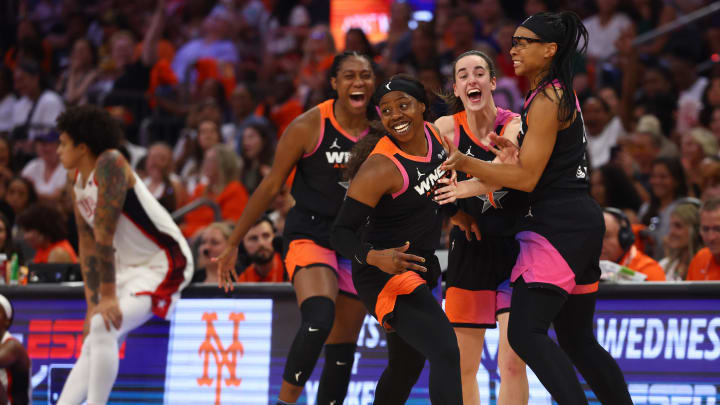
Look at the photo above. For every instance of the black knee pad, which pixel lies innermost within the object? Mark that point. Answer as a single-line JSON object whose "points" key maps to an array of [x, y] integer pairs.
{"points": [[339, 359], [318, 314]]}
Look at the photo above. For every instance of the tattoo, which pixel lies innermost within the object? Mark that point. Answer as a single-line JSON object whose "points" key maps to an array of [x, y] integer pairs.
{"points": [[106, 262], [92, 278], [113, 184]]}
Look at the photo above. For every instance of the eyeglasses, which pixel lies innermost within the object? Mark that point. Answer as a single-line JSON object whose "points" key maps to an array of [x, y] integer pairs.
{"points": [[522, 42]]}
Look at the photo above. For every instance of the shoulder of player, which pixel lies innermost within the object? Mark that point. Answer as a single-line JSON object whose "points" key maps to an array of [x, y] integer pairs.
{"points": [[111, 165], [307, 121], [445, 124], [378, 168]]}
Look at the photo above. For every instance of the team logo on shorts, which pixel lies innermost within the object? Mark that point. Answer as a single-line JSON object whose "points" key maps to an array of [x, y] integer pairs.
{"points": [[492, 200]]}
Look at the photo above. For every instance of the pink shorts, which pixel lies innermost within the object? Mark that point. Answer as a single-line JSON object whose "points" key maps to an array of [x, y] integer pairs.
{"points": [[304, 253]]}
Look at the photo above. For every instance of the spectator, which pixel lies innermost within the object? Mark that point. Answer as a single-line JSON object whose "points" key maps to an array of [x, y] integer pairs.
{"points": [[20, 194], [221, 168], [423, 51], [710, 180], [45, 171], [37, 106], [611, 187], [44, 230], [127, 79], [7, 171], [603, 130], [77, 80], [258, 147], [266, 263], [160, 178], [208, 135], [697, 144], [6, 241], [618, 247], [667, 185], [212, 242], [715, 123], [691, 87], [489, 15], [604, 29], [213, 44], [706, 263], [710, 101], [318, 54], [244, 105], [357, 41], [650, 14], [7, 100], [461, 31], [683, 240]]}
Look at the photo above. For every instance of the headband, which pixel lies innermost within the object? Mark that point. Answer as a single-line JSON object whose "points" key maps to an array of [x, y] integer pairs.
{"points": [[399, 84], [5, 304], [540, 25]]}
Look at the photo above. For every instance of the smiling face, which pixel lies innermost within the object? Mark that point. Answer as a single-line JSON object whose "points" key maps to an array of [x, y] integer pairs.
{"points": [[530, 57], [401, 115], [473, 83], [252, 143], [678, 236], [354, 84], [662, 183]]}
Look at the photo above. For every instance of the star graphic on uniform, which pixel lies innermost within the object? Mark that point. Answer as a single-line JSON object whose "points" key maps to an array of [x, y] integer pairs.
{"points": [[496, 196], [344, 184]]}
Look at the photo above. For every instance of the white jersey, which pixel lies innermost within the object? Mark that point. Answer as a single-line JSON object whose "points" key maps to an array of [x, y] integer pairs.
{"points": [[151, 254], [17, 392]]}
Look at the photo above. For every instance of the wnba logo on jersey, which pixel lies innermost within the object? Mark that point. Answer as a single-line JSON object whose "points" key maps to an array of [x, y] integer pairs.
{"points": [[337, 159], [224, 358], [429, 185]]}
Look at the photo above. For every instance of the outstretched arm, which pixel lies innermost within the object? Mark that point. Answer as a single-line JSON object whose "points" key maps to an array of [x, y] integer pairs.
{"points": [[113, 180], [152, 35], [299, 137]]}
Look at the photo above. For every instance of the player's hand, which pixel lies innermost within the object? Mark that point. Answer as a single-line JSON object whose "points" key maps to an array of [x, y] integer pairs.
{"points": [[395, 260], [109, 309], [86, 325], [226, 268], [467, 224], [505, 150], [456, 159]]}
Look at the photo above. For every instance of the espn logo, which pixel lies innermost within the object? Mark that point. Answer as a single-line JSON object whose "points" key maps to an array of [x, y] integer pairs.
{"points": [[57, 339]]}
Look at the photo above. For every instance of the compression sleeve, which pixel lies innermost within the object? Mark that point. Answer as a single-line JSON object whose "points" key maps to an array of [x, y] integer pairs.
{"points": [[344, 236]]}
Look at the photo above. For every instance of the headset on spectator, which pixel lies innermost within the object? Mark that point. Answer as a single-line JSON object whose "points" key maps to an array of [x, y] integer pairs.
{"points": [[626, 237]]}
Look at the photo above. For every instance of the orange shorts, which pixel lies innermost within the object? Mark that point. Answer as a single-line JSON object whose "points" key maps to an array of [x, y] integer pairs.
{"points": [[303, 253]]}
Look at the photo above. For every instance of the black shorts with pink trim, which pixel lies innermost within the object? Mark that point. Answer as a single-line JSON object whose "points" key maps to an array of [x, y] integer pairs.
{"points": [[378, 290], [560, 243], [476, 279]]}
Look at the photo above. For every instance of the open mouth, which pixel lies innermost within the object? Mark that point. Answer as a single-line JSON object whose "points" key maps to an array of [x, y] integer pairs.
{"points": [[474, 95], [357, 98], [402, 128]]}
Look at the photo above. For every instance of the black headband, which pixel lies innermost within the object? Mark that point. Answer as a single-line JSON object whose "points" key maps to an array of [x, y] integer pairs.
{"points": [[540, 25], [399, 84]]}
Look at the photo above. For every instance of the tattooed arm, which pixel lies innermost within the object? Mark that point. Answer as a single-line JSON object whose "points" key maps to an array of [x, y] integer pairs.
{"points": [[113, 177]]}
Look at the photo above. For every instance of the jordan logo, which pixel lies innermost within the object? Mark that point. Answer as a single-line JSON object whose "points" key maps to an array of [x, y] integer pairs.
{"points": [[335, 145], [344, 184], [297, 376], [492, 200], [441, 155], [419, 173], [529, 213], [212, 347], [581, 172], [469, 152]]}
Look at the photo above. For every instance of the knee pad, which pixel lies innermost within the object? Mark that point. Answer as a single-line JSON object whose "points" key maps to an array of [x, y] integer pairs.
{"points": [[339, 359], [318, 315]]}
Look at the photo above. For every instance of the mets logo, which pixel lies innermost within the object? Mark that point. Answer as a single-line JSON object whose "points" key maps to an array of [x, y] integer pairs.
{"points": [[224, 357]]}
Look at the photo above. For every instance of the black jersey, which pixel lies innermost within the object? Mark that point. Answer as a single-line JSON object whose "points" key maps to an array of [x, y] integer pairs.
{"points": [[567, 168], [318, 187], [411, 214], [494, 212]]}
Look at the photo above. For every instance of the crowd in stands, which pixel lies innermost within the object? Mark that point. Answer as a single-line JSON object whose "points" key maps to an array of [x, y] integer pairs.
{"points": [[204, 88]]}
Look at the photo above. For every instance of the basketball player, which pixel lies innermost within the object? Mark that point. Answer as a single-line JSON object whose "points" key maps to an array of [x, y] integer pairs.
{"points": [[477, 279], [133, 257], [557, 271], [318, 144], [394, 172], [15, 366]]}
